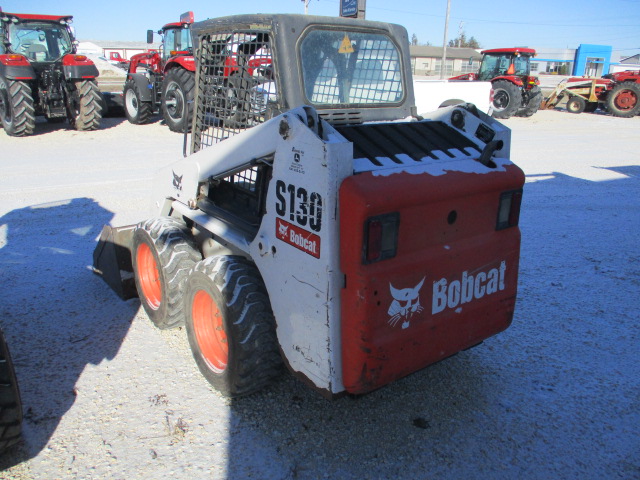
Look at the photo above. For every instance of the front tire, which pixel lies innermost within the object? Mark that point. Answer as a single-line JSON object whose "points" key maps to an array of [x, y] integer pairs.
{"points": [[507, 99], [624, 100], [10, 404], [230, 325], [576, 104], [17, 113], [84, 108], [163, 252], [177, 99], [136, 111]]}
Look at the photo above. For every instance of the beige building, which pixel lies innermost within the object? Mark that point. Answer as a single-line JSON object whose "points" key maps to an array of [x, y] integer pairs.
{"points": [[427, 60]]}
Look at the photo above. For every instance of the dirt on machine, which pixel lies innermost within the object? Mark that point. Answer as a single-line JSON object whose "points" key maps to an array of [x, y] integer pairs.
{"points": [[516, 91], [163, 82], [41, 74], [318, 223]]}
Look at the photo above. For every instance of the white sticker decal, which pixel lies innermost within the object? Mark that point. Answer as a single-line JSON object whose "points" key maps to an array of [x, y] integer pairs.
{"points": [[406, 303]]}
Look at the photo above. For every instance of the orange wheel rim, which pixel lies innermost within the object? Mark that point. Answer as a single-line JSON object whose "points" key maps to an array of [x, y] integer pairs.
{"points": [[149, 276], [209, 330]]}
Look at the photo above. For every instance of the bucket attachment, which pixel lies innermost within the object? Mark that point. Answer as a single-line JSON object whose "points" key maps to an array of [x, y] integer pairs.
{"points": [[112, 260]]}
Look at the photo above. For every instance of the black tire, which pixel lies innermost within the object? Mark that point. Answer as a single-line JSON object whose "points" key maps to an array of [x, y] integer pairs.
{"points": [[17, 113], [507, 99], [230, 325], [237, 101], [624, 100], [163, 251], [177, 99], [10, 404], [576, 104], [84, 107], [534, 99], [136, 111]]}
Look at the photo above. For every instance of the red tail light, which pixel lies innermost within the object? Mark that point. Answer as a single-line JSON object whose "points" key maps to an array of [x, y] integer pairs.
{"points": [[381, 237], [509, 209]]}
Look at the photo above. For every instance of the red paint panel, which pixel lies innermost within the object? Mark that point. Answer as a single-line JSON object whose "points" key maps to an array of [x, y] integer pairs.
{"points": [[451, 285]]}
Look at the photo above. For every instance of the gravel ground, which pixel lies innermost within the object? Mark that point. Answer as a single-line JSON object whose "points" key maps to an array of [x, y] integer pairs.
{"points": [[106, 395]]}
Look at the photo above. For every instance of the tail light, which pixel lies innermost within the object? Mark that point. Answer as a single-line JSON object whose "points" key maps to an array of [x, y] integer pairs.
{"points": [[380, 237], [509, 209]]}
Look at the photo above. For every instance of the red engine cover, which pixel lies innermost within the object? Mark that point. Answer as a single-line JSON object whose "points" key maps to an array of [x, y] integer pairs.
{"points": [[451, 284]]}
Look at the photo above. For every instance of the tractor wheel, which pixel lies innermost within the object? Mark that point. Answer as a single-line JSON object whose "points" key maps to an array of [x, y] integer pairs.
{"points": [[83, 105], [534, 97], [17, 114], [177, 99], [623, 100], [507, 99], [10, 405], [230, 325], [576, 104], [136, 111], [162, 254], [237, 101]]}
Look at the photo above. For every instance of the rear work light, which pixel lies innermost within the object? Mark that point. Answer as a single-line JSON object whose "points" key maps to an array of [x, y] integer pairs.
{"points": [[509, 209], [380, 237]]}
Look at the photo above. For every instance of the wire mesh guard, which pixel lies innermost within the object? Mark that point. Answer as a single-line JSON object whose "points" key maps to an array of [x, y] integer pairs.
{"points": [[237, 85]]}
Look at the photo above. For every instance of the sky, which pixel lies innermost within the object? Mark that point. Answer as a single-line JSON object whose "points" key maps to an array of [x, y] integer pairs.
{"points": [[499, 23]]}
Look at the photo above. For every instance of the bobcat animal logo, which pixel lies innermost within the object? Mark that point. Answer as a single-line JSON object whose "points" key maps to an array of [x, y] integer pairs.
{"points": [[406, 303], [283, 229], [177, 181]]}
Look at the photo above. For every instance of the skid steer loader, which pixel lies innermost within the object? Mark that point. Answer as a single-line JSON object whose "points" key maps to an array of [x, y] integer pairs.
{"points": [[317, 221]]}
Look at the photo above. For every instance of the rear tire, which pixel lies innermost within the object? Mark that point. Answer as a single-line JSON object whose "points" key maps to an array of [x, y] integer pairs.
{"points": [[136, 111], [624, 100], [84, 106], [576, 104], [230, 325], [177, 99], [507, 99], [163, 251], [533, 105], [17, 113], [10, 405]]}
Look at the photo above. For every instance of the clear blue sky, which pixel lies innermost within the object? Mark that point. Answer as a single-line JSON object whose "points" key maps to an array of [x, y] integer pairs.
{"points": [[499, 23]]}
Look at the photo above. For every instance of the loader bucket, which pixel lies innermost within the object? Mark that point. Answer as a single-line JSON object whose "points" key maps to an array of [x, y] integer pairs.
{"points": [[112, 260]]}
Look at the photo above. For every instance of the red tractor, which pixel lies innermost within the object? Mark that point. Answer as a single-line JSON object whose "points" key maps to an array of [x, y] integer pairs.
{"points": [[163, 81], [632, 76], [41, 74], [516, 92]]}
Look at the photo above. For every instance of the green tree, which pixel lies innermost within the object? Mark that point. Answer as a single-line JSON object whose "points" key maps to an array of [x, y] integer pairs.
{"points": [[462, 42]]}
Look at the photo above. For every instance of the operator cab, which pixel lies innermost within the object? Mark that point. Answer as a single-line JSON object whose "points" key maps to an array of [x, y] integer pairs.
{"points": [[38, 40], [501, 62]]}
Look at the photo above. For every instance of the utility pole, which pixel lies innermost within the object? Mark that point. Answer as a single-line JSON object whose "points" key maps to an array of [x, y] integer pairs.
{"points": [[460, 31], [444, 43], [306, 6]]}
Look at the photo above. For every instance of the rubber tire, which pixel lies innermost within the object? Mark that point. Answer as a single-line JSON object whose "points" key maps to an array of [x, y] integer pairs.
{"points": [[17, 113], [533, 105], [178, 86], [631, 91], [237, 104], [10, 404], [509, 98], [136, 111], [163, 251], [576, 104], [84, 106], [230, 325]]}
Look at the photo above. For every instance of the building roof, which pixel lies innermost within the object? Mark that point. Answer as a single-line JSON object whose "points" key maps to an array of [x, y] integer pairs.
{"points": [[428, 51]]}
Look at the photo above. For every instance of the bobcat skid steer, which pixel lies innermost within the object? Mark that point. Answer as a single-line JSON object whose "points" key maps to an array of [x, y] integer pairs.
{"points": [[318, 222]]}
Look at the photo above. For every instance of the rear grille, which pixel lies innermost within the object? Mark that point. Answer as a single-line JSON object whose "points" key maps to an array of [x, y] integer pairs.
{"points": [[386, 144], [341, 118]]}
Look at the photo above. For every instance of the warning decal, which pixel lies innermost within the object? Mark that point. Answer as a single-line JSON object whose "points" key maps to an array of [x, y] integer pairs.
{"points": [[345, 45]]}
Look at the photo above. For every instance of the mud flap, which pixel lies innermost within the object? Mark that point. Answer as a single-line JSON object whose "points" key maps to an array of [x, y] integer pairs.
{"points": [[112, 260]]}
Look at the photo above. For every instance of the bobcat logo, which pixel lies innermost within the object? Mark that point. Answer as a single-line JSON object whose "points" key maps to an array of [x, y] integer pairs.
{"points": [[283, 229], [406, 303], [177, 181]]}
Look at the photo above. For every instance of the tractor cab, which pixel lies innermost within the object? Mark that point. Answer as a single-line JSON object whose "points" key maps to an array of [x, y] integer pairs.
{"points": [[39, 38], [176, 37], [507, 62]]}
